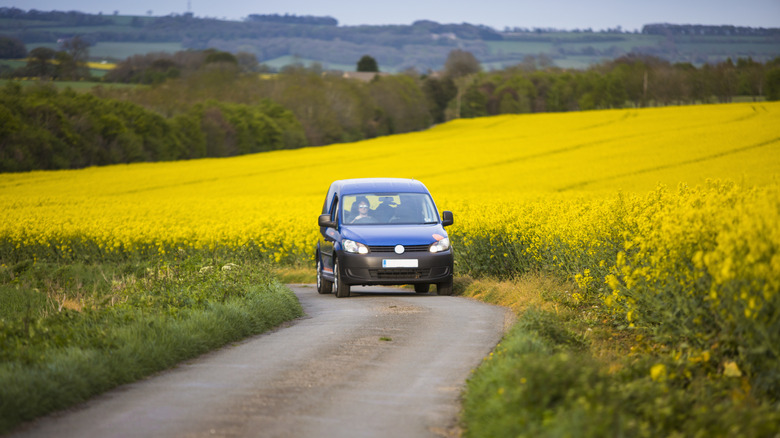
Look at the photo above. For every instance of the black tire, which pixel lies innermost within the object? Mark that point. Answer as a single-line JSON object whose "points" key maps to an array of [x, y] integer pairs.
{"points": [[323, 286], [342, 289], [444, 288], [422, 288]]}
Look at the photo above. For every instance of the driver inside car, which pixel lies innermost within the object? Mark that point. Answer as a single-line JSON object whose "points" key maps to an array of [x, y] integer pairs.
{"points": [[363, 210]]}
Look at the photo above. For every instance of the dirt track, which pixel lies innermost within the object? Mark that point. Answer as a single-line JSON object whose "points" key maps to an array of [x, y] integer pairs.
{"points": [[383, 363]]}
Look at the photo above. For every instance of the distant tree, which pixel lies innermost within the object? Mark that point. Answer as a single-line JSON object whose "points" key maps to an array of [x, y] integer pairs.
{"points": [[439, 93], [11, 48], [248, 62], [217, 56], [725, 81], [66, 66], [474, 102], [401, 105], [458, 66], [77, 49], [773, 84], [750, 78], [367, 64], [461, 63], [39, 62]]}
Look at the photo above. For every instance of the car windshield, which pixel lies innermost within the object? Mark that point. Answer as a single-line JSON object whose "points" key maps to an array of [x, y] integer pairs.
{"points": [[388, 208]]}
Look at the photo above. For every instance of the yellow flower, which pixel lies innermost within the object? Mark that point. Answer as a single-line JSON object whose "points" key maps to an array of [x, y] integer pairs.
{"points": [[658, 372], [730, 369]]}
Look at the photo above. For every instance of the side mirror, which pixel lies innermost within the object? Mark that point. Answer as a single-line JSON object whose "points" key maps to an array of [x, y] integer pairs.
{"points": [[446, 218], [324, 221]]}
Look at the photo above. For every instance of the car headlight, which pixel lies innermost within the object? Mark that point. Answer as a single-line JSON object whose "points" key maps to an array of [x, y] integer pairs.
{"points": [[354, 247], [441, 245]]}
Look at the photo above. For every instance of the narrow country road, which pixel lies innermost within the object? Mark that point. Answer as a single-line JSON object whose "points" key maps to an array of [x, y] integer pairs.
{"points": [[385, 362]]}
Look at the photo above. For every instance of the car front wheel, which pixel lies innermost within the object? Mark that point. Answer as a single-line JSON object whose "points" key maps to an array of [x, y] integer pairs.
{"points": [[422, 288], [444, 288], [342, 289], [323, 286]]}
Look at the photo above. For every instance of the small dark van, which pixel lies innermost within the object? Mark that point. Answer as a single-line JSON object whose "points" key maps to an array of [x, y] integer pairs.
{"points": [[382, 231]]}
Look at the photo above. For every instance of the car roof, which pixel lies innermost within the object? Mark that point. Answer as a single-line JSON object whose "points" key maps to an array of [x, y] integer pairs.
{"points": [[378, 185]]}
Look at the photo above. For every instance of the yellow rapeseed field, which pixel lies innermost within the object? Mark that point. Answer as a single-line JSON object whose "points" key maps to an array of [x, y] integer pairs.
{"points": [[272, 199]]}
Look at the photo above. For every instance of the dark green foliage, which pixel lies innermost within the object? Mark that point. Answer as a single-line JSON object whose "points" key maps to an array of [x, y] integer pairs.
{"points": [[402, 106], [154, 68], [773, 84], [39, 63], [474, 102], [67, 64], [42, 128], [217, 56], [461, 63], [12, 48], [439, 93], [293, 19], [367, 63], [542, 381], [333, 109], [632, 80]]}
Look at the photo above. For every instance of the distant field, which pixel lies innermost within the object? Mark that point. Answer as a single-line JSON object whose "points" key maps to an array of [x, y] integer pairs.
{"points": [[282, 61], [119, 51], [573, 50], [578, 50], [13, 63]]}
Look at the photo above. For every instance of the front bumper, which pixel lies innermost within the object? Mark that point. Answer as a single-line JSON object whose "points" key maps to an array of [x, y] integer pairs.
{"points": [[367, 269]]}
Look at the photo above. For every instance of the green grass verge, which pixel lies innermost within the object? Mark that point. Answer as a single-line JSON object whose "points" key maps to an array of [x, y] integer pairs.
{"points": [[564, 370], [293, 275], [68, 332]]}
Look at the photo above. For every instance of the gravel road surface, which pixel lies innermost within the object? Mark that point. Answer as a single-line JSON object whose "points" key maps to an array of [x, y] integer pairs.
{"points": [[385, 362]]}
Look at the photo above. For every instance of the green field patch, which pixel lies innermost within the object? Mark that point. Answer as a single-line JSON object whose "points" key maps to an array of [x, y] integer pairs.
{"points": [[120, 51], [283, 61]]}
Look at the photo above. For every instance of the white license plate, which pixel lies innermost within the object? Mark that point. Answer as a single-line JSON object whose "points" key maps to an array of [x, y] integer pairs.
{"points": [[399, 263]]}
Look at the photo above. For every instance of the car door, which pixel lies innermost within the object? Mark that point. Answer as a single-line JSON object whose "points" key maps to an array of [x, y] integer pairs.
{"points": [[328, 236]]}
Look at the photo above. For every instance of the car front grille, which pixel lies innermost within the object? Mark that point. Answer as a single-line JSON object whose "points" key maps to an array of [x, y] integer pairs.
{"points": [[410, 248], [399, 274]]}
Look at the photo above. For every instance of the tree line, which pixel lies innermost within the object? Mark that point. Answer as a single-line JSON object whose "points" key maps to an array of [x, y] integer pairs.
{"points": [[43, 128], [293, 19], [699, 29], [629, 81], [212, 103], [423, 45], [330, 107]]}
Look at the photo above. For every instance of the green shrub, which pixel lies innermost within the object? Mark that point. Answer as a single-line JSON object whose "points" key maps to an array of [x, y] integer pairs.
{"points": [[541, 382]]}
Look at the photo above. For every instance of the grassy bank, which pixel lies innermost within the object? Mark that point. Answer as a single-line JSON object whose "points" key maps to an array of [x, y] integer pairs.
{"points": [[70, 331], [567, 368]]}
